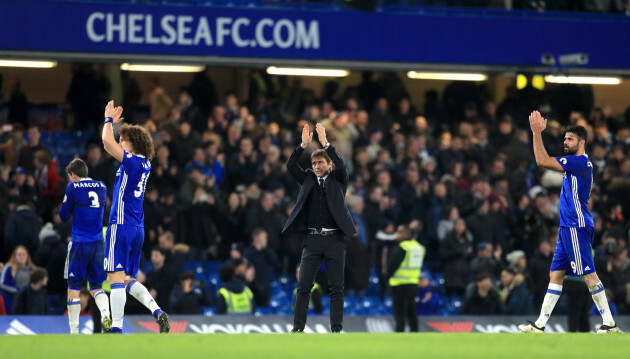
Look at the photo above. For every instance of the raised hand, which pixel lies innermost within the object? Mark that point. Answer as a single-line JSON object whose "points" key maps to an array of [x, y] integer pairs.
{"points": [[307, 136], [536, 122], [114, 112], [321, 134]]}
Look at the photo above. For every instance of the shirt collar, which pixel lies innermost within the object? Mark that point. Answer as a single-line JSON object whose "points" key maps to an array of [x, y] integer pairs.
{"points": [[85, 179], [323, 177]]}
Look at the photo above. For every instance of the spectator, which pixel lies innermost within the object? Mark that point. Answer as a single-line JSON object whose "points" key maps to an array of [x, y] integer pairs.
{"points": [[175, 253], [21, 228], [11, 142], [514, 295], [47, 178], [487, 260], [33, 299], [428, 300], [15, 274], [161, 278], [265, 215], [455, 252], [483, 299], [27, 153], [99, 168], [190, 113], [539, 272], [265, 261], [51, 255], [159, 102], [3, 310], [187, 147], [188, 298], [22, 186], [18, 104], [234, 297], [243, 166]]}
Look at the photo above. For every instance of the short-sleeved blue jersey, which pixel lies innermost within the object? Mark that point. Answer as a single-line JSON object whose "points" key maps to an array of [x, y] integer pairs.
{"points": [[576, 190], [85, 200], [131, 180]]}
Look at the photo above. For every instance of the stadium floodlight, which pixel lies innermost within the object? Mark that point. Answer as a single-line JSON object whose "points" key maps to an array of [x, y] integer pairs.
{"points": [[589, 80], [28, 63], [294, 71], [452, 76], [161, 68]]}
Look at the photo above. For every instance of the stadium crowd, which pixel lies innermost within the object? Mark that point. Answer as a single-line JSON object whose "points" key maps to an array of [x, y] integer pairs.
{"points": [[459, 172]]}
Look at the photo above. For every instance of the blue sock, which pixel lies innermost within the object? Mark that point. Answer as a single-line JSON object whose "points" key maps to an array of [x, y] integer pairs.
{"points": [[156, 313]]}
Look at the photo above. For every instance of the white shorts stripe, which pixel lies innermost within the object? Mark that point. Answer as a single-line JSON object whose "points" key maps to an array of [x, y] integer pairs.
{"points": [[67, 265], [576, 251], [112, 242]]}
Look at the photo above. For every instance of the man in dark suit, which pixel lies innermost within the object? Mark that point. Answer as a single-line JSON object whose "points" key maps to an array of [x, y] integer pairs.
{"points": [[321, 214]]}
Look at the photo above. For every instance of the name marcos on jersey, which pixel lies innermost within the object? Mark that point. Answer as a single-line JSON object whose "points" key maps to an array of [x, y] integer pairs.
{"points": [[88, 185]]}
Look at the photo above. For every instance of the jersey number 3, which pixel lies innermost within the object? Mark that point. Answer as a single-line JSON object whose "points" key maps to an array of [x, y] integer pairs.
{"points": [[141, 185], [94, 198]]}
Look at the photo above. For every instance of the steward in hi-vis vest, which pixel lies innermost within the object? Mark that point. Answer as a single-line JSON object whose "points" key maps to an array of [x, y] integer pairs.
{"points": [[403, 271]]}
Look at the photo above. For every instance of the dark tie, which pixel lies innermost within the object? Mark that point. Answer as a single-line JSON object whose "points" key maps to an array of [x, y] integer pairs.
{"points": [[321, 182]]}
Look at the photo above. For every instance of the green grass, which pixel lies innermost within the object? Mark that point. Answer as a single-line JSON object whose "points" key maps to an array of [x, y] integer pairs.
{"points": [[320, 346]]}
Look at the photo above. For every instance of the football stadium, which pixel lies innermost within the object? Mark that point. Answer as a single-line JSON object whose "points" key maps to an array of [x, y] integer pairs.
{"points": [[308, 178]]}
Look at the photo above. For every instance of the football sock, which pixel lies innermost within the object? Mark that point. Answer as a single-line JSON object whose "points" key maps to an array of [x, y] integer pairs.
{"points": [[599, 297], [102, 302], [140, 292], [118, 299], [551, 298], [74, 309]]}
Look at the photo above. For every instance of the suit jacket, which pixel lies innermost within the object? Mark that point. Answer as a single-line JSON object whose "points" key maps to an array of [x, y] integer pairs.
{"points": [[335, 186]]}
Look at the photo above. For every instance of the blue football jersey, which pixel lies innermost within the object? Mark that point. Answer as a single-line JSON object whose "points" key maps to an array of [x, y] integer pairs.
{"points": [[131, 180], [85, 200], [576, 190]]}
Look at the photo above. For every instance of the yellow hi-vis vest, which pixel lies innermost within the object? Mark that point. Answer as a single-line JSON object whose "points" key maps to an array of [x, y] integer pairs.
{"points": [[238, 302], [409, 270]]}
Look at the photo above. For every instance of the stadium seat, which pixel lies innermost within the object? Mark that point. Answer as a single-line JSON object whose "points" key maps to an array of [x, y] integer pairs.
{"points": [[209, 311], [263, 311], [212, 266], [374, 288], [196, 268]]}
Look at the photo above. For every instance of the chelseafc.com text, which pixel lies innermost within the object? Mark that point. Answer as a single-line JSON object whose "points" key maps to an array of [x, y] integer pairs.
{"points": [[189, 30]]}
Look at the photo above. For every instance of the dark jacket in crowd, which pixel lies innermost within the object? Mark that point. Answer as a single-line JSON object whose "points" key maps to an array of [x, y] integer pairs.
{"points": [[51, 255], [266, 263], [162, 280], [518, 300], [474, 304], [539, 274], [455, 254], [22, 227], [358, 265], [31, 302], [189, 303]]}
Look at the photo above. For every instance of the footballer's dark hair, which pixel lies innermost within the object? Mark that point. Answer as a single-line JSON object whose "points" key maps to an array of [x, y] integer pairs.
{"points": [[579, 131], [78, 167], [140, 139], [320, 153]]}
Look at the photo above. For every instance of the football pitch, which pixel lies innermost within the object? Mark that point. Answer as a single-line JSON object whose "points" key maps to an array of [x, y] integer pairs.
{"points": [[350, 345]]}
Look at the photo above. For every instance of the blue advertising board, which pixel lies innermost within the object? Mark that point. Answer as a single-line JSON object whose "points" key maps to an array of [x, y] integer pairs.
{"points": [[98, 28]]}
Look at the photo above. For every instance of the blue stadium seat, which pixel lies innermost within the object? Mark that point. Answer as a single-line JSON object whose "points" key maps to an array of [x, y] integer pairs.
{"points": [[196, 268], [212, 266], [209, 311], [374, 288], [264, 311]]}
